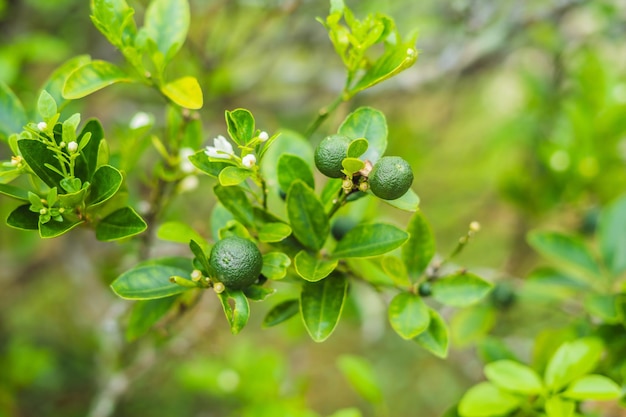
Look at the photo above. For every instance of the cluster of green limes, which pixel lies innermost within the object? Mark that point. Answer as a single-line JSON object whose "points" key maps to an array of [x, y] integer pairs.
{"points": [[390, 177], [236, 261]]}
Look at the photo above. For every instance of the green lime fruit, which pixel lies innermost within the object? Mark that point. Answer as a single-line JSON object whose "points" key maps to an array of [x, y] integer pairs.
{"points": [[390, 178], [236, 261], [329, 153]]}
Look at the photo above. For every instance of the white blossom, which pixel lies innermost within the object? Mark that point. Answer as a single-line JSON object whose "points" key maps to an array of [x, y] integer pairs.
{"points": [[249, 160], [42, 126], [185, 164], [222, 148], [140, 120], [72, 147], [189, 183], [263, 136]]}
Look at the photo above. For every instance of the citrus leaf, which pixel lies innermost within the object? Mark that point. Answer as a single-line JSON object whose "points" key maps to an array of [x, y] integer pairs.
{"points": [[352, 165], [185, 92], [12, 114], [593, 387], [238, 313], [370, 240], [436, 338], [357, 147], [240, 126], [275, 265], [566, 249], [92, 77], [571, 361], [361, 377], [487, 400], [281, 312], [321, 304], [420, 248], [312, 268], [558, 407], [56, 81], [237, 203], [151, 279], [368, 123], [145, 313], [180, 232], [87, 161], [514, 376], [409, 201], [232, 175], [612, 234], [37, 156], [392, 62], [166, 23], [14, 192], [395, 269], [115, 20], [461, 289], [212, 168], [24, 219], [105, 183], [408, 315], [291, 168], [53, 228], [122, 223], [472, 324], [306, 216], [274, 232]]}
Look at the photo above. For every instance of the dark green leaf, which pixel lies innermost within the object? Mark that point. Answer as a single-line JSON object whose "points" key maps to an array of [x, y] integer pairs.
{"points": [[238, 313], [240, 125], [370, 240], [233, 175], [612, 233], [275, 265], [312, 268], [321, 304], [185, 92], [200, 253], [105, 183], [212, 168], [236, 202], [151, 279], [274, 232], [122, 223], [461, 289], [24, 219], [281, 312], [362, 377], [566, 249], [420, 248], [408, 315], [92, 77], [166, 23], [306, 216], [258, 292], [87, 162], [291, 168], [14, 192], [368, 123], [604, 306], [12, 114], [54, 228], [436, 338], [145, 314], [37, 155]]}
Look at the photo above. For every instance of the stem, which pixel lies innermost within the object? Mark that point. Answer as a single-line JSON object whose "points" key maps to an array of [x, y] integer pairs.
{"points": [[339, 202], [323, 114]]}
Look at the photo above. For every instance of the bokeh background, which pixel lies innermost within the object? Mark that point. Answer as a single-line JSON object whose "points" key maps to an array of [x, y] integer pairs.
{"points": [[513, 116]]}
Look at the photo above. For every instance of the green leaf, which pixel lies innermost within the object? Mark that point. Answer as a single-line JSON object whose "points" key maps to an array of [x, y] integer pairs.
{"points": [[236, 202], [514, 376], [472, 324], [357, 147], [312, 268], [420, 248], [37, 156], [87, 162], [347, 412], [12, 114], [212, 168], [115, 20], [571, 361], [24, 219], [46, 106], [485, 400], [558, 407], [461, 289], [274, 232], [238, 313], [275, 265], [565, 249], [612, 234], [491, 349], [593, 387], [122, 223], [604, 306], [151, 279], [92, 77], [368, 123], [258, 292], [14, 192], [436, 338], [55, 82], [185, 92], [180, 232], [361, 377], [392, 62], [291, 168], [306, 216], [53, 228], [352, 165], [321, 304], [281, 312], [240, 126], [233, 176], [408, 315], [145, 314], [395, 269], [105, 183], [409, 201], [166, 23], [370, 270], [370, 240]]}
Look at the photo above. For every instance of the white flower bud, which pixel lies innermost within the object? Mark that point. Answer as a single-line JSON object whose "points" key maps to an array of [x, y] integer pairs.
{"points": [[249, 160], [72, 147], [140, 120], [42, 126], [263, 136], [474, 226], [185, 164]]}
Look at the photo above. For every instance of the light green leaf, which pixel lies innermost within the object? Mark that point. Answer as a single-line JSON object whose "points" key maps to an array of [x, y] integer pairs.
{"points": [[288, 142], [392, 62], [352, 165], [471, 324], [12, 114], [151, 279], [281, 312], [361, 377], [593, 387], [312, 268], [558, 407], [291, 168], [145, 314], [514, 376], [115, 20], [46, 106], [306, 216], [395, 269], [436, 338], [166, 23], [357, 147], [368, 123], [233, 175], [238, 313], [185, 92], [347, 412], [408, 315], [24, 219], [92, 77], [461, 289], [240, 126], [370, 240], [14, 192], [56, 81], [122, 223], [486, 400], [420, 248], [212, 168], [274, 232], [565, 249], [53, 228], [321, 304], [275, 265], [180, 232], [105, 183], [571, 361], [605, 307], [236, 201], [612, 234], [370, 270]]}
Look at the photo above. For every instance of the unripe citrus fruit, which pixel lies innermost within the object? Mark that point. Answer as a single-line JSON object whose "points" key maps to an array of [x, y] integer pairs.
{"points": [[236, 261], [390, 178], [329, 153]]}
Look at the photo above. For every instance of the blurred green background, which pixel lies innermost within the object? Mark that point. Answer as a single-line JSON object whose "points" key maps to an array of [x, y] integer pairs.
{"points": [[513, 116]]}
